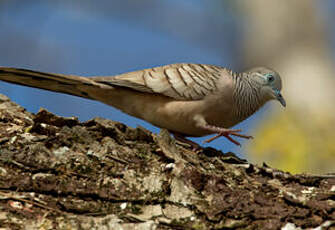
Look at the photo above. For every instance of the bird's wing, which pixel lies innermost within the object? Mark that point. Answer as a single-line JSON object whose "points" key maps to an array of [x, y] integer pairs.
{"points": [[178, 81]]}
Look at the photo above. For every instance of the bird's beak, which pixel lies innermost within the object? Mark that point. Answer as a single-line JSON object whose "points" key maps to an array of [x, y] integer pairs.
{"points": [[280, 98]]}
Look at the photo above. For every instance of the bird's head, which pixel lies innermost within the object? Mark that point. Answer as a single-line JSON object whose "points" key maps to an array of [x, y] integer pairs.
{"points": [[270, 83]]}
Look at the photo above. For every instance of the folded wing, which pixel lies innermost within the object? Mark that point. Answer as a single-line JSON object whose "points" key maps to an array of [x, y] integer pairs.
{"points": [[178, 81]]}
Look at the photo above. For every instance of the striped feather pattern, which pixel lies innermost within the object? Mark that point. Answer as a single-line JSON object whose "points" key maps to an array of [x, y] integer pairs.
{"points": [[178, 81]]}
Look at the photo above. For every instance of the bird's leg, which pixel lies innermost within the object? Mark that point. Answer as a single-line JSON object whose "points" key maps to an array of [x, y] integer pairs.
{"points": [[223, 132], [183, 139]]}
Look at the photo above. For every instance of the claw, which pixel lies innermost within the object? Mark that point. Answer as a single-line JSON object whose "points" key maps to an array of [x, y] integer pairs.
{"points": [[226, 133], [181, 138]]}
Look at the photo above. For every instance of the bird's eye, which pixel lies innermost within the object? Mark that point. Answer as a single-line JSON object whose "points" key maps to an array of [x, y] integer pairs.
{"points": [[270, 77]]}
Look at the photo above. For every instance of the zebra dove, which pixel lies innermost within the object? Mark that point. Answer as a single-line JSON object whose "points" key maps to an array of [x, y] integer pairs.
{"points": [[189, 100]]}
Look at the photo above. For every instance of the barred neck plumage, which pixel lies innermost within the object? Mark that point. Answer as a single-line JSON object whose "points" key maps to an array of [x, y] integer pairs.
{"points": [[247, 98]]}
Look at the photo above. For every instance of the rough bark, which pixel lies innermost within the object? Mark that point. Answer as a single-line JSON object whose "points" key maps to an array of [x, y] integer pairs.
{"points": [[59, 173]]}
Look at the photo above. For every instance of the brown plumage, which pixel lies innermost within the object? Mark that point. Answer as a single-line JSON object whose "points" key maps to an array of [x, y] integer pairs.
{"points": [[187, 99]]}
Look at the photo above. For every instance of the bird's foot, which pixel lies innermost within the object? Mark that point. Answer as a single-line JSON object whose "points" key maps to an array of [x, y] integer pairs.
{"points": [[184, 140], [222, 132]]}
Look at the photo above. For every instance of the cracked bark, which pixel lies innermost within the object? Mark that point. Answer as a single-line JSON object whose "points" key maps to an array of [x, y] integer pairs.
{"points": [[60, 173]]}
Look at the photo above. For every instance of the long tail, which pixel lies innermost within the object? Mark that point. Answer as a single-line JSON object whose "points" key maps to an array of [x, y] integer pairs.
{"points": [[68, 84]]}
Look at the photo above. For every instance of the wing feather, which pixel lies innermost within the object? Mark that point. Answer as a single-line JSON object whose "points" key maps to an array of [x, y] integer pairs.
{"points": [[179, 81]]}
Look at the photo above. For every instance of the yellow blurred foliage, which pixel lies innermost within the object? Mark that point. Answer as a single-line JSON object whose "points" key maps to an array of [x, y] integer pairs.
{"points": [[289, 142]]}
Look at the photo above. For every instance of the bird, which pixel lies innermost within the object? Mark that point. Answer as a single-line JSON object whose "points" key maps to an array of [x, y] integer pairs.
{"points": [[189, 100]]}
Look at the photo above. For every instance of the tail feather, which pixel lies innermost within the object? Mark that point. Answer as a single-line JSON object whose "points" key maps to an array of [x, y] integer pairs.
{"points": [[68, 84]]}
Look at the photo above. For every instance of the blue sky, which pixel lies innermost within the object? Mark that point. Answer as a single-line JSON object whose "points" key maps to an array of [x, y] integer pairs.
{"points": [[66, 39]]}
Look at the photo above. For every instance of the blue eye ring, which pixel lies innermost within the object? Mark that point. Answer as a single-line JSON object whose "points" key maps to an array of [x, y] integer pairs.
{"points": [[270, 77]]}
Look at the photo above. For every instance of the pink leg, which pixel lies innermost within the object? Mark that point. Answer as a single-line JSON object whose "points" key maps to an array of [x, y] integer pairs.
{"points": [[222, 132]]}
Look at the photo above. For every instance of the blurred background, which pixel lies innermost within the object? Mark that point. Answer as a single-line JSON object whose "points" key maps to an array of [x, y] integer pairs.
{"points": [[295, 37]]}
